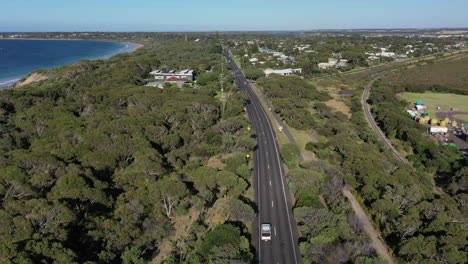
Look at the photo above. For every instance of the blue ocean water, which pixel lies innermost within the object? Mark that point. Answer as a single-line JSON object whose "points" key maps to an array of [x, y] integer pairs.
{"points": [[18, 57]]}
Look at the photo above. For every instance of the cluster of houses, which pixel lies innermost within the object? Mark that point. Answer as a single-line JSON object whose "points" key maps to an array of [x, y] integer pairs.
{"points": [[173, 77], [303, 48], [275, 55], [461, 44], [384, 52]]}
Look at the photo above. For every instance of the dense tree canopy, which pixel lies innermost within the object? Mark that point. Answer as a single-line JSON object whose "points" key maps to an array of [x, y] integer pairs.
{"points": [[96, 168]]}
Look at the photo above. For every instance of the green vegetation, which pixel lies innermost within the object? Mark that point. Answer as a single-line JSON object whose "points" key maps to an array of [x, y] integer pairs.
{"points": [[418, 221], [291, 98], [330, 231], [96, 168], [433, 100], [427, 155], [253, 73], [446, 72]]}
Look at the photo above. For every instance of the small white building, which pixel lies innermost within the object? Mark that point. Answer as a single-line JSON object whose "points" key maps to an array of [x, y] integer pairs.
{"points": [[421, 107], [438, 130], [283, 72]]}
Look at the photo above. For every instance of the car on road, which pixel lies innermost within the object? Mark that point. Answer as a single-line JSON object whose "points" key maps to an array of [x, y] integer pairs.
{"points": [[265, 232]]}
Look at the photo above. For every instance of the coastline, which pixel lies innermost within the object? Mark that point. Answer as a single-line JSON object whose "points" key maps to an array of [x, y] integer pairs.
{"points": [[128, 48]]}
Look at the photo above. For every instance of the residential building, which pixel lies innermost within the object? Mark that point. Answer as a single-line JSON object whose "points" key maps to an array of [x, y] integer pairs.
{"points": [[160, 75], [172, 80], [283, 72], [331, 63]]}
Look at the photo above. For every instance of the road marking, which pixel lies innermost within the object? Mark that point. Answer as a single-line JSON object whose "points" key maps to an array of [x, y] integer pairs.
{"points": [[272, 204], [270, 182], [264, 141], [268, 166], [275, 230]]}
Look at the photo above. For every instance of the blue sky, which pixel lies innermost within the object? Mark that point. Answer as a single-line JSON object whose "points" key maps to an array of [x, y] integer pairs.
{"points": [[207, 15]]}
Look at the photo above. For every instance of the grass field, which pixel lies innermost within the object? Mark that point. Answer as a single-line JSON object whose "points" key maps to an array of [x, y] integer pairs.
{"points": [[451, 72], [432, 100]]}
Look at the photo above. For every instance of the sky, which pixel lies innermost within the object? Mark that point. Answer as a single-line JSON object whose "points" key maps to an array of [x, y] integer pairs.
{"points": [[223, 15]]}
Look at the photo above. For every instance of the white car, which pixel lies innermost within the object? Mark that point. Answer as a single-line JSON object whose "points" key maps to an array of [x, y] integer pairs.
{"points": [[265, 232]]}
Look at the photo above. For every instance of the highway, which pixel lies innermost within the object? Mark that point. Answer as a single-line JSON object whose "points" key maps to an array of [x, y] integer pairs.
{"points": [[272, 195]]}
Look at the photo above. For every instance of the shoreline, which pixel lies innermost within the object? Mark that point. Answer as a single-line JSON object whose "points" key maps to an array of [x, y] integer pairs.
{"points": [[10, 84]]}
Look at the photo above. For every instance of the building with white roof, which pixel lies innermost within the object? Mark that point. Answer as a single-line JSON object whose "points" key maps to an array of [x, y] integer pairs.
{"points": [[160, 75], [283, 72]]}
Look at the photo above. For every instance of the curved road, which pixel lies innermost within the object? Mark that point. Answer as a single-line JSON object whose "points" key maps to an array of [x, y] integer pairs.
{"points": [[272, 194]]}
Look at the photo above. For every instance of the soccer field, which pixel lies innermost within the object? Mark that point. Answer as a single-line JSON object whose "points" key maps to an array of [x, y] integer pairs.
{"points": [[432, 100]]}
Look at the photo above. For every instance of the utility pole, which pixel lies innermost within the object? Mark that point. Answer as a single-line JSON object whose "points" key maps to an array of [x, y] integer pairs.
{"points": [[223, 99], [223, 96]]}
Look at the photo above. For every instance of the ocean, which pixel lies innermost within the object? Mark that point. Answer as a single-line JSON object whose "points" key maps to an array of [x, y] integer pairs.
{"points": [[19, 57]]}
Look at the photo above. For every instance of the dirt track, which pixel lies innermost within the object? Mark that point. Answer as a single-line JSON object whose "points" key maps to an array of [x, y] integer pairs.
{"points": [[372, 233]]}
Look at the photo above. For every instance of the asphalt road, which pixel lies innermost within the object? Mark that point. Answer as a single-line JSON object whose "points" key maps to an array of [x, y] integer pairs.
{"points": [[272, 194]]}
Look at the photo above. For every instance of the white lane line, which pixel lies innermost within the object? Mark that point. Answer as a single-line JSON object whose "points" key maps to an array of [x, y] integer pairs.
{"points": [[275, 230], [268, 166], [264, 141], [270, 182], [282, 181], [272, 204]]}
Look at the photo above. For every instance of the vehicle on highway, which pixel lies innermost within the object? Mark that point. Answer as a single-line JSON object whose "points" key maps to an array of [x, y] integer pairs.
{"points": [[265, 232]]}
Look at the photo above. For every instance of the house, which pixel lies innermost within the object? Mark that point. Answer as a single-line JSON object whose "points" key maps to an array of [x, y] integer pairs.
{"points": [[287, 59], [342, 63], [336, 54], [172, 80], [325, 65], [283, 72], [158, 84], [387, 54], [160, 75]]}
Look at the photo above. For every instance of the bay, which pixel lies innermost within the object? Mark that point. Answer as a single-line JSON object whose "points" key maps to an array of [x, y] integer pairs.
{"points": [[19, 57]]}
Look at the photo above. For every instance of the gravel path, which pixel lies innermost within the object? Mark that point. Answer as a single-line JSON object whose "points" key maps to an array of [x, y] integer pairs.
{"points": [[372, 233]]}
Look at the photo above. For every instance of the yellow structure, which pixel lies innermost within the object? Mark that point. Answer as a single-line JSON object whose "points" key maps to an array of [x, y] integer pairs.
{"points": [[447, 120], [434, 121], [443, 123]]}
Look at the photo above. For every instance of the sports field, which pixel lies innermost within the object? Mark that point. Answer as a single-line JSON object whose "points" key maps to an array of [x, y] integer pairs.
{"points": [[446, 101]]}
